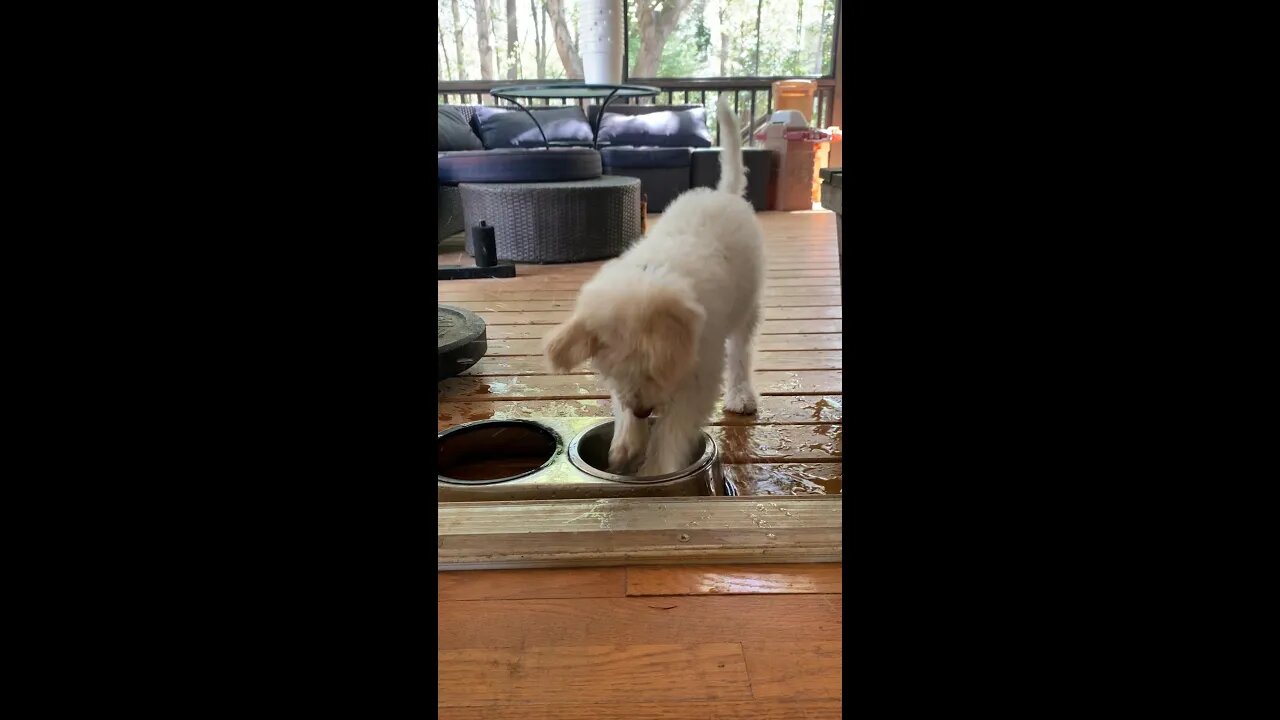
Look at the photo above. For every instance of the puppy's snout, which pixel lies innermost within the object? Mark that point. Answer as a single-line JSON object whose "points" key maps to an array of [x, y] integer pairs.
{"points": [[642, 413]]}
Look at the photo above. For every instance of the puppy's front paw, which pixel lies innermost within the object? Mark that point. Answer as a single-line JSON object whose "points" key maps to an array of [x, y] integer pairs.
{"points": [[623, 455], [661, 463], [655, 466], [743, 403]]}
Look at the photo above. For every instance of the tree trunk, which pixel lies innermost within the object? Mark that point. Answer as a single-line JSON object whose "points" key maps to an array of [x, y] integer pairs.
{"points": [[655, 28], [448, 72], [542, 33], [539, 58], [483, 29], [724, 38], [457, 38], [566, 48], [756, 64], [822, 30], [513, 42], [800, 26]]}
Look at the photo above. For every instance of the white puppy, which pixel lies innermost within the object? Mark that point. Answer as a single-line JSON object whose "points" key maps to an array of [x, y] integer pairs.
{"points": [[658, 321]]}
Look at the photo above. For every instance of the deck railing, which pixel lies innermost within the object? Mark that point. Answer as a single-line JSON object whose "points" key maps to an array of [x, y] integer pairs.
{"points": [[751, 98]]}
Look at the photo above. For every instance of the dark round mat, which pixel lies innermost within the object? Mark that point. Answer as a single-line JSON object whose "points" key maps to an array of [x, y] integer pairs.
{"points": [[460, 340]]}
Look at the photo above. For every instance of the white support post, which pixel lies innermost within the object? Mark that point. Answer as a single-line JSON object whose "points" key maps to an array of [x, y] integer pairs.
{"points": [[600, 38]]}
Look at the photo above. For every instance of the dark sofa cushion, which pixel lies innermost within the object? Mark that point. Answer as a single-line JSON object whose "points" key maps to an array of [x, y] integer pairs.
{"points": [[453, 131], [628, 109], [664, 128], [507, 128], [516, 165], [645, 157]]}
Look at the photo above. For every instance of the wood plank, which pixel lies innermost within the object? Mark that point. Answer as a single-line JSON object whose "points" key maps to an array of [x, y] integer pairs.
{"points": [[767, 327], [537, 364], [785, 478], [448, 293], [591, 674], [779, 443], [638, 620], [721, 710], [530, 584], [795, 670], [788, 261], [772, 409], [807, 312], [560, 387], [498, 306], [815, 291], [764, 343], [735, 580], [639, 530], [821, 264], [812, 272], [555, 317], [523, 305], [551, 283]]}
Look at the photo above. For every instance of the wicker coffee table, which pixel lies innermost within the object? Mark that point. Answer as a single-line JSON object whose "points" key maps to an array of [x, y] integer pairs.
{"points": [[557, 221]]}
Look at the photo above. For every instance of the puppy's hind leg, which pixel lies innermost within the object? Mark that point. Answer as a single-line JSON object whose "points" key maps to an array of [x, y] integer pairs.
{"points": [[740, 396], [630, 436]]}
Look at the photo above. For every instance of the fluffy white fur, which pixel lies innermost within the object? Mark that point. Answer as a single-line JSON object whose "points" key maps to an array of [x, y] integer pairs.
{"points": [[659, 322]]}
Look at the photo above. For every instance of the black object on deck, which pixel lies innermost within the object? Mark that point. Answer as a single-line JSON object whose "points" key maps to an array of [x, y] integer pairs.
{"points": [[833, 200], [485, 245], [460, 340], [462, 272], [487, 266]]}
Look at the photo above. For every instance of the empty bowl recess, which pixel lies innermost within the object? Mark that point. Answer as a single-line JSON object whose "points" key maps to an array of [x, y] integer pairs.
{"points": [[589, 453], [494, 451]]}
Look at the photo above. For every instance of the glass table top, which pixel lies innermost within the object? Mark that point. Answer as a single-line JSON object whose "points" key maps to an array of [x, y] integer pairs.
{"points": [[573, 90]]}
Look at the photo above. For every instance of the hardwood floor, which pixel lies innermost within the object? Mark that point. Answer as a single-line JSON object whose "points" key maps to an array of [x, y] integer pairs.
{"points": [[792, 445], [757, 642]]}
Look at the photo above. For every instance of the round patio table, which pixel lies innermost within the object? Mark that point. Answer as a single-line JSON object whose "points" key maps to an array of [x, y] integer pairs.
{"points": [[571, 91]]}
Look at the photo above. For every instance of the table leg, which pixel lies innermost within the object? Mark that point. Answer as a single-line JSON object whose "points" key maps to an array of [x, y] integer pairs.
{"points": [[595, 127]]}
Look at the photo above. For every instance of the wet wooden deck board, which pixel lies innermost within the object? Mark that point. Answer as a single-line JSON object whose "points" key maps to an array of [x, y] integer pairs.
{"points": [[734, 580], [791, 446], [764, 343], [555, 317], [767, 382], [496, 365], [773, 409], [767, 327]]}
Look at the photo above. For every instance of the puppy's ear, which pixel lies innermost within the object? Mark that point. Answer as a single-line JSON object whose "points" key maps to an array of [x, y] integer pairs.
{"points": [[570, 345], [670, 335]]}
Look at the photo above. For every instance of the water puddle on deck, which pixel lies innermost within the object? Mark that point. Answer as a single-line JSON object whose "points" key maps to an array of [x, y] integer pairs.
{"points": [[789, 479]]}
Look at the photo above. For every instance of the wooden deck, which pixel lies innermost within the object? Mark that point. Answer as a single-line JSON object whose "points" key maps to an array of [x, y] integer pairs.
{"points": [[791, 446], [755, 642]]}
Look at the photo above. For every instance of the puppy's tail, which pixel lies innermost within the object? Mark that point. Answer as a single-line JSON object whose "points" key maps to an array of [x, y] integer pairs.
{"points": [[733, 177]]}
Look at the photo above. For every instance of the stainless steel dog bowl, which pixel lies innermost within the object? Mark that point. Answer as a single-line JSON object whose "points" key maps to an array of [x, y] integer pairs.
{"points": [[530, 460], [589, 453]]}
